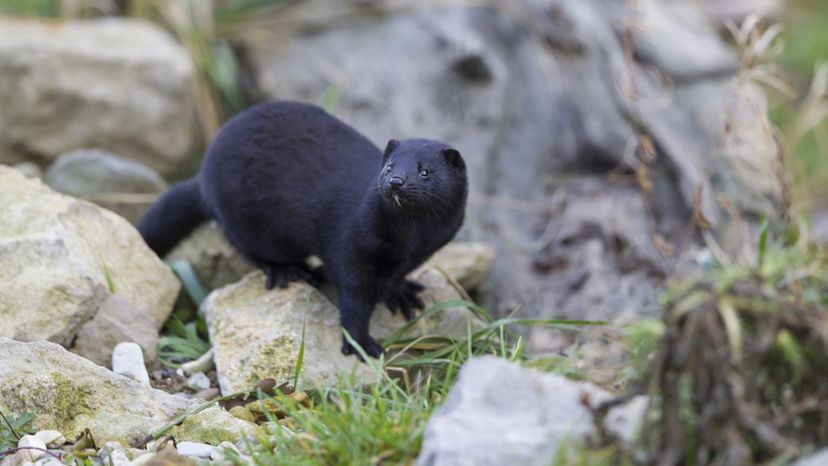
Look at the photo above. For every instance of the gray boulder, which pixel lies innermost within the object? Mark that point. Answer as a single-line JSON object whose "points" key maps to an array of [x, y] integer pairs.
{"points": [[499, 413], [85, 172], [591, 129], [62, 259], [69, 394], [61, 89], [257, 334]]}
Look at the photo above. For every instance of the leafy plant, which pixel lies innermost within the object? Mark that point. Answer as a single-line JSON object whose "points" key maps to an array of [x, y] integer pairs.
{"points": [[12, 428], [181, 343]]}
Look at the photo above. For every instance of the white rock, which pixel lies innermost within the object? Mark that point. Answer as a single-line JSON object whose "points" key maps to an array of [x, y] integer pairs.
{"points": [[128, 360], [198, 381], [501, 414], [52, 438], [34, 446], [118, 458], [203, 364], [62, 258], [49, 460], [819, 458], [198, 450]]}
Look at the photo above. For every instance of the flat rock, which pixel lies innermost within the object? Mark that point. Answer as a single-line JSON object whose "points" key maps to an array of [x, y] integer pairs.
{"points": [[499, 413], [67, 393], [85, 172], [117, 320], [60, 90], [62, 258], [257, 333], [467, 262]]}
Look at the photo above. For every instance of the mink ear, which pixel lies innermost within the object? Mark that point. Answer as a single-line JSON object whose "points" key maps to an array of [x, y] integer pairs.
{"points": [[453, 158], [392, 144]]}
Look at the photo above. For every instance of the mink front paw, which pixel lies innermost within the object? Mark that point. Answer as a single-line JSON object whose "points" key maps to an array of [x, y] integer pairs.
{"points": [[368, 344], [405, 299]]}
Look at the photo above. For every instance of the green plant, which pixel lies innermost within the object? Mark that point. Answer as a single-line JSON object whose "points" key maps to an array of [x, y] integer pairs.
{"points": [[181, 342], [12, 428]]}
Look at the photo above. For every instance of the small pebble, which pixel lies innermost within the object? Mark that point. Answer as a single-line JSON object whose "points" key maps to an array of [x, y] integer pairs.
{"points": [[52, 438], [49, 460], [203, 364], [208, 394], [30, 441], [128, 360], [240, 412], [199, 450], [118, 458], [198, 381]]}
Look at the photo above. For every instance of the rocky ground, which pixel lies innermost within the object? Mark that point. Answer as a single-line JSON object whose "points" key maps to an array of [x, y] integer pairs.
{"points": [[614, 151]]}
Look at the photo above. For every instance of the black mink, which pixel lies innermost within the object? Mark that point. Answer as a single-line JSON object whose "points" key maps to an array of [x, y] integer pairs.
{"points": [[286, 181]]}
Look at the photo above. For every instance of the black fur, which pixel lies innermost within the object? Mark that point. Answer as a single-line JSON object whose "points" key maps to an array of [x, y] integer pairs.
{"points": [[286, 181]]}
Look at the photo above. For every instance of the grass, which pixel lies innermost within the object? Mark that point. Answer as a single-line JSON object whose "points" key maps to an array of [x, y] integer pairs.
{"points": [[12, 428]]}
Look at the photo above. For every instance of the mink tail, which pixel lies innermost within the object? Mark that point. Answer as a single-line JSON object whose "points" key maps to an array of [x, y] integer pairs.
{"points": [[173, 216]]}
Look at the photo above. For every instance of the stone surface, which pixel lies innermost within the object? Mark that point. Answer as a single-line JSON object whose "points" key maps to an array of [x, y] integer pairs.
{"points": [[84, 172], [819, 458], [61, 90], [198, 450], [499, 413], [467, 262], [52, 438], [215, 262], [198, 381], [67, 393], [128, 360], [257, 333], [33, 445], [116, 321], [61, 259], [589, 129]]}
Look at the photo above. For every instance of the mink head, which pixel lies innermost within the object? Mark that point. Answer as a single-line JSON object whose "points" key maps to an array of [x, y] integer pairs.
{"points": [[421, 175]]}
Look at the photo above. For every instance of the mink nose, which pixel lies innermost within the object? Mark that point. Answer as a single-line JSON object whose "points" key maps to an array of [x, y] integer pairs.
{"points": [[396, 182]]}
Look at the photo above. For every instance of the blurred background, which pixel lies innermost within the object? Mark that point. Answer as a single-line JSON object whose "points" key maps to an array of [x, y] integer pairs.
{"points": [[611, 143]]}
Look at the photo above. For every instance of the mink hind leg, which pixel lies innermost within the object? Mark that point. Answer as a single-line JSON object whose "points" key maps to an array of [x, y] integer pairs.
{"points": [[282, 275]]}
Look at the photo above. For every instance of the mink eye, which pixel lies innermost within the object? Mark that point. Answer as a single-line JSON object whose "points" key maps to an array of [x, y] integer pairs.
{"points": [[388, 169], [424, 173]]}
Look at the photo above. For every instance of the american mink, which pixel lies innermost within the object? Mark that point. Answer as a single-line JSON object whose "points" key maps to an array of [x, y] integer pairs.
{"points": [[286, 181]]}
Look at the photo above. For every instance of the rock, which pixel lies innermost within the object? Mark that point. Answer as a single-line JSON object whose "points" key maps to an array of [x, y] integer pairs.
{"points": [[208, 394], [163, 458], [51, 461], [468, 263], [85, 172], [33, 445], [198, 381], [242, 413], [737, 10], [213, 425], [67, 393], [499, 413], [545, 99], [128, 360], [817, 459], [215, 262], [52, 438], [246, 351], [29, 169], [193, 449], [118, 458], [123, 186], [61, 259], [116, 320], [203, 364], [63, 91]]}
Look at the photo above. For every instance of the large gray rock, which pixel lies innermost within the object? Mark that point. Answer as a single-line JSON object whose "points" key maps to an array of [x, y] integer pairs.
{"points": [[85, 172], [499, 413], [545, 98], [257, 333], [62, 259], [67, 393], [117, 84]]}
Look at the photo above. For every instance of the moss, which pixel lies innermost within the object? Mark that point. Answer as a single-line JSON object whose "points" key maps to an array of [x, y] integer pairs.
{"points": [[213, 426]]}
